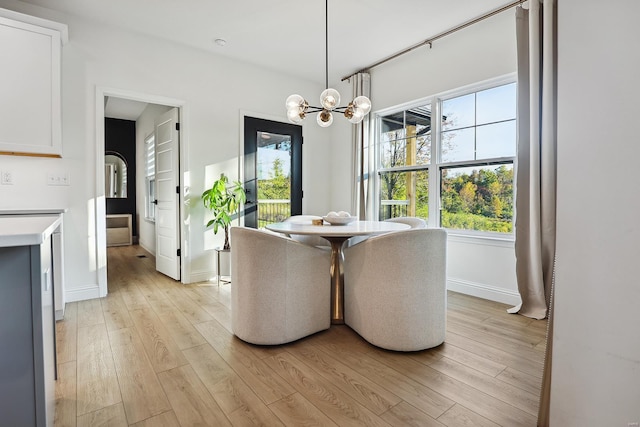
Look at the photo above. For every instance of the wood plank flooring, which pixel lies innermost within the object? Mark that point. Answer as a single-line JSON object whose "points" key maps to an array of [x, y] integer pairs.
{"points": [[155, 352]]}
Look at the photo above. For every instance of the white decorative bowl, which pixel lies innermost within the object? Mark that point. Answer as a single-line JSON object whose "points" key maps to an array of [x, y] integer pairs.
{"points": [[339, 220]]}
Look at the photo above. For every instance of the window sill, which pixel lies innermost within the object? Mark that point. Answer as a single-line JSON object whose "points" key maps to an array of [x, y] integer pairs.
{"points": [[479, 238]]}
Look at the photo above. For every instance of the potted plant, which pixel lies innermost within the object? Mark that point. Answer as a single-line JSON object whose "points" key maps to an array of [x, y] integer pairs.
{"points": [[223, 200]]}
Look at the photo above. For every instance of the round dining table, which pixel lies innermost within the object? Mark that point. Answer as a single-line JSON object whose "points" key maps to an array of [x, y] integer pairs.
{"points": [[336, 235]]}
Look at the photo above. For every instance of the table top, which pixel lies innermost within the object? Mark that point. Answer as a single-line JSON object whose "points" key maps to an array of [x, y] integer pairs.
{"points": [[356, 228]]}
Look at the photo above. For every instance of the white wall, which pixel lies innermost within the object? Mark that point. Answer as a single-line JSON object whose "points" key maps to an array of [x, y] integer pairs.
{"points": [[480, 52], [481, 267], [214, 91], [596, 346]]}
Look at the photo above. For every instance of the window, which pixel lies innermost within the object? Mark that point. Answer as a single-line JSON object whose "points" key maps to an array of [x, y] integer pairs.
{"points": [[405, 156], [150, 178], [458, 173]]}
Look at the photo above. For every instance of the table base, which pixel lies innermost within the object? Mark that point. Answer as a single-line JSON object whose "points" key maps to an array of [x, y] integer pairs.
{"points": [[337, 279]]}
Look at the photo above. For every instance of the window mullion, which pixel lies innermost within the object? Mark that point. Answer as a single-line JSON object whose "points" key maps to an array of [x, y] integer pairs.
{"points": [[373, 174], [434, 169]]}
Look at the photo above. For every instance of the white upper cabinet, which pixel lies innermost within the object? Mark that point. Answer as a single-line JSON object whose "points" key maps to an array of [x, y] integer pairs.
{"points": [[30, 117]]}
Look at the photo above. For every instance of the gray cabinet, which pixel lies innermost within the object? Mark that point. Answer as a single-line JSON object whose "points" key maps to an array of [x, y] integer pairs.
{"points": [[27, 335]]}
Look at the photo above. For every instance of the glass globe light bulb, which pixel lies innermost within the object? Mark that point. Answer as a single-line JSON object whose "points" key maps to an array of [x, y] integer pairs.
{"points": [[294, 100], [295, 115], [329, 99], [357, 116], [362, 103], [325, 118]]}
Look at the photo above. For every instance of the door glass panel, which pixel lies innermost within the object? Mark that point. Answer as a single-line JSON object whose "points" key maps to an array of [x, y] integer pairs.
{"points": [[273, 169]]}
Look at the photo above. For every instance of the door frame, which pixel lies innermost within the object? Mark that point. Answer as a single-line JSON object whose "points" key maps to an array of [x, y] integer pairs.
{"points": [[255, 115], [99, 201]]}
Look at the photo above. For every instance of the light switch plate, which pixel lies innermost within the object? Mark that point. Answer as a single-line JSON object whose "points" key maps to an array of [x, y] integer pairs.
{"points": [[58, 178]]}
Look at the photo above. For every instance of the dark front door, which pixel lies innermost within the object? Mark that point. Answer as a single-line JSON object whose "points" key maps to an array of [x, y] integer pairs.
{"points": [[272, 171]]}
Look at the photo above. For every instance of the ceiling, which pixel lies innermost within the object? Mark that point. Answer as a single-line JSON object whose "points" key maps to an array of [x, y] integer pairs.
{"points": [[287, 36], [119, 108]]}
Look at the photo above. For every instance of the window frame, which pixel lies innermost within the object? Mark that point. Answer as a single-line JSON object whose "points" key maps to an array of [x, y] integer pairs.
{"points": [[435, 167], [149, 196]]}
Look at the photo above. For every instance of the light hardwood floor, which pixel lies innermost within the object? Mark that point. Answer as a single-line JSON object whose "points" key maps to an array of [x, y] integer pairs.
{"points": [[158, 353]]}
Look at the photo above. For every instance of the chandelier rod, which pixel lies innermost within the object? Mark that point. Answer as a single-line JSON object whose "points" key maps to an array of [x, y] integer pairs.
{"points": [[326, 44]]}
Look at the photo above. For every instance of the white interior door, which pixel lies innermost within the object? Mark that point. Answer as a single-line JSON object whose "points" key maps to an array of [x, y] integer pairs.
{"points": [[167, 194]]}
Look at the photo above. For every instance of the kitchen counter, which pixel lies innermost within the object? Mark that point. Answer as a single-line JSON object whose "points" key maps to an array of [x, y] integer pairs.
{"points": [[28, 227], [24, 230], [32, 211]]}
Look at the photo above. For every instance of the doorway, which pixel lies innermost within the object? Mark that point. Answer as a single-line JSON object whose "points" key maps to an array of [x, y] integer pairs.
{"points": [[272, 171], [154, 108]]}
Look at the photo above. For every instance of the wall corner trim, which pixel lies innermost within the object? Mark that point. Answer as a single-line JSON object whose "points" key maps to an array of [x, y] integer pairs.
{"points": [[63, 29]]}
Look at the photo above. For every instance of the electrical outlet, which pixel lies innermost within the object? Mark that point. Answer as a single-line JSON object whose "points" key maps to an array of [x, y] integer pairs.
{"points": [[6, 178]]}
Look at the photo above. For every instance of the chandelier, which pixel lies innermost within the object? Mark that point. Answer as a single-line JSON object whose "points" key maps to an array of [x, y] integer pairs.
{"points": [[298, 107]]}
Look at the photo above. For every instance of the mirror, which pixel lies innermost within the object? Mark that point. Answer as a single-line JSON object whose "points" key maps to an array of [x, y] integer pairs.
{"points": [[115, 176]]}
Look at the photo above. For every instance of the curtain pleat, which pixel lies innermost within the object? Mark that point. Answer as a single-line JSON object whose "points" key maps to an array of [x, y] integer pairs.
{"points": [[361, 153]]}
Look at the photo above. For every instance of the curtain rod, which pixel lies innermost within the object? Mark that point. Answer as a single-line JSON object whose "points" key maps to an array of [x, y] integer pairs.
{"points": [[429, 41]]}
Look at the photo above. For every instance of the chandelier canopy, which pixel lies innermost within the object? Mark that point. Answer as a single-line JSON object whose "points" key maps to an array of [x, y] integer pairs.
{"points": [[354, 111]]}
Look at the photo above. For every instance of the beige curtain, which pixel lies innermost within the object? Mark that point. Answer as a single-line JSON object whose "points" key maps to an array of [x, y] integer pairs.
{"points": [[362, 154], [535, 219]]}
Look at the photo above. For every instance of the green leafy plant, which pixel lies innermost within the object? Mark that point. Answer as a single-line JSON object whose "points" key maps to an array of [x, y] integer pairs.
{"points": [[223, 200]]}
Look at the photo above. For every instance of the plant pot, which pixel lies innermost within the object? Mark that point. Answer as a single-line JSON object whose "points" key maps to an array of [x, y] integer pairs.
{"points": [[223, 265]]}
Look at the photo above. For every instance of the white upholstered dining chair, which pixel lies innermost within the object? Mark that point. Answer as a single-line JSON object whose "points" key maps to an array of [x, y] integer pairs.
{"points": [[395, 289], [280, 290], [412, 221]]}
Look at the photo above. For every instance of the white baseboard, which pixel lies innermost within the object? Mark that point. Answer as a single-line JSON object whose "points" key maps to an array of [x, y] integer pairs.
{"points": [[201, 276], [81, 294], [482, 290], [144, 246]]}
